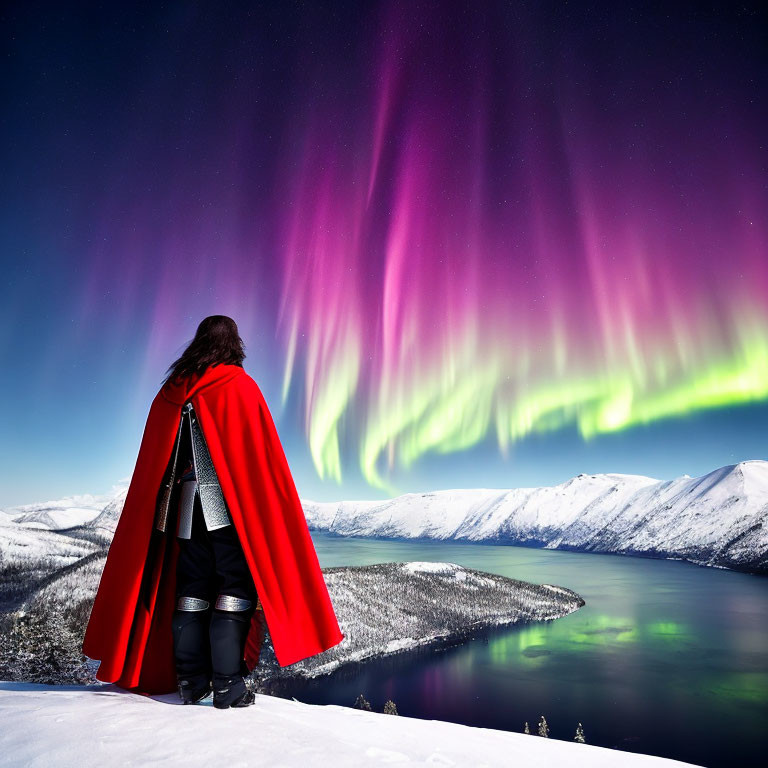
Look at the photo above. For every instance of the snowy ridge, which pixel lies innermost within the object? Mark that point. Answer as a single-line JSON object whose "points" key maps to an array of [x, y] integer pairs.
{"points": [[718, 519]]}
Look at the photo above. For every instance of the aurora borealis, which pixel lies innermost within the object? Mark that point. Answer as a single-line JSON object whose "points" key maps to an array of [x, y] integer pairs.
{"points": [[465, 243]]}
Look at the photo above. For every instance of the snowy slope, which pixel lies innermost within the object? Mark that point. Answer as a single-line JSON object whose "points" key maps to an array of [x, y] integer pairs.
{"points": [[717, 519], [122, 728], [21, 546]]}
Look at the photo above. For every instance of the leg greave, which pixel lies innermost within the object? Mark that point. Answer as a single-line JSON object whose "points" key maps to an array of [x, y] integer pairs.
{"points": [[191, 640], [230, 623], [229, 628], [191, 647]]}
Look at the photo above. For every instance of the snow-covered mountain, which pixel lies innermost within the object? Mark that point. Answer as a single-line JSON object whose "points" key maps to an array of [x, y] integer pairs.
{"points": [[128, 729], [59, 514], [718, 519], [110, 514]]}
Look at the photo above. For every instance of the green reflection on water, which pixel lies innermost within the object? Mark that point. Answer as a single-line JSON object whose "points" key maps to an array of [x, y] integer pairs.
{"points": [[667, 630], [750, 687], [535, 642], [528, 643], [602, 629]]}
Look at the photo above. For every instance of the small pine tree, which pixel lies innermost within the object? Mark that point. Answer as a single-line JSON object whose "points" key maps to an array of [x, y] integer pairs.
{"points": [[361, 703], [526, 729], [543, 727], [579, 734], [389, 707]]}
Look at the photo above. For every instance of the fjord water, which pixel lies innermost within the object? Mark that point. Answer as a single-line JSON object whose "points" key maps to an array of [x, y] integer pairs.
{"points": [[666, 658]]}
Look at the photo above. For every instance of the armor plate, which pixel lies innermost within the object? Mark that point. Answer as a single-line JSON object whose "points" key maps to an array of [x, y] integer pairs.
{"points": [[206, 485]]}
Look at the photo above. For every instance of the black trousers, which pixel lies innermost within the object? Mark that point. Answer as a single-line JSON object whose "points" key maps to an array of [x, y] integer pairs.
{"points": [[212, 563]]}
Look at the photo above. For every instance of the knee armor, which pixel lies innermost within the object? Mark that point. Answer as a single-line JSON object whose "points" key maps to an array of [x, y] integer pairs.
{"points": [[192, 604], [232, 603]]}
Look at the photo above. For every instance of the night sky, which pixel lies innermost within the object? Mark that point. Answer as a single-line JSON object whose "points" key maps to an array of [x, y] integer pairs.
{"points": [[475, 244]]}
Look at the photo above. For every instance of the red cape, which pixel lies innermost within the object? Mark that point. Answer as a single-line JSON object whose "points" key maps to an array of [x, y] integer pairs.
{"points": [[134, 641]]}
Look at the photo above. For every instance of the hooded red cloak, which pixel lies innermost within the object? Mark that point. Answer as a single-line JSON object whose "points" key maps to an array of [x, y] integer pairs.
{"points": [[132, 637]]}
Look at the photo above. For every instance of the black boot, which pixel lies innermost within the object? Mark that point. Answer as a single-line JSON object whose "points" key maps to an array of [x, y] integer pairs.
{"points": [[231, 620], [191, 645], [235, 691], [194, 689]]}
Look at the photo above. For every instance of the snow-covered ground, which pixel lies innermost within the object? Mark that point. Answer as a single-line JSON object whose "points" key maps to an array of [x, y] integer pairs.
{"points": [[104, 725]]}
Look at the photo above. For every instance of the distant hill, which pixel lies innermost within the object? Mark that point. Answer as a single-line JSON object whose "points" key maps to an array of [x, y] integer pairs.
{"points": [[68, 512], [718, 519]]}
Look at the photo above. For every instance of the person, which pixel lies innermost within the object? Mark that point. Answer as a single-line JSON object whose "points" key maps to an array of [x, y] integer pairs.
{"points": [[212, 547]]}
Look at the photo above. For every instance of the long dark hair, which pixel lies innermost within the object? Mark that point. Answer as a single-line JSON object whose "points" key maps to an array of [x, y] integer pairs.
{"points": [[217, 340]]}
